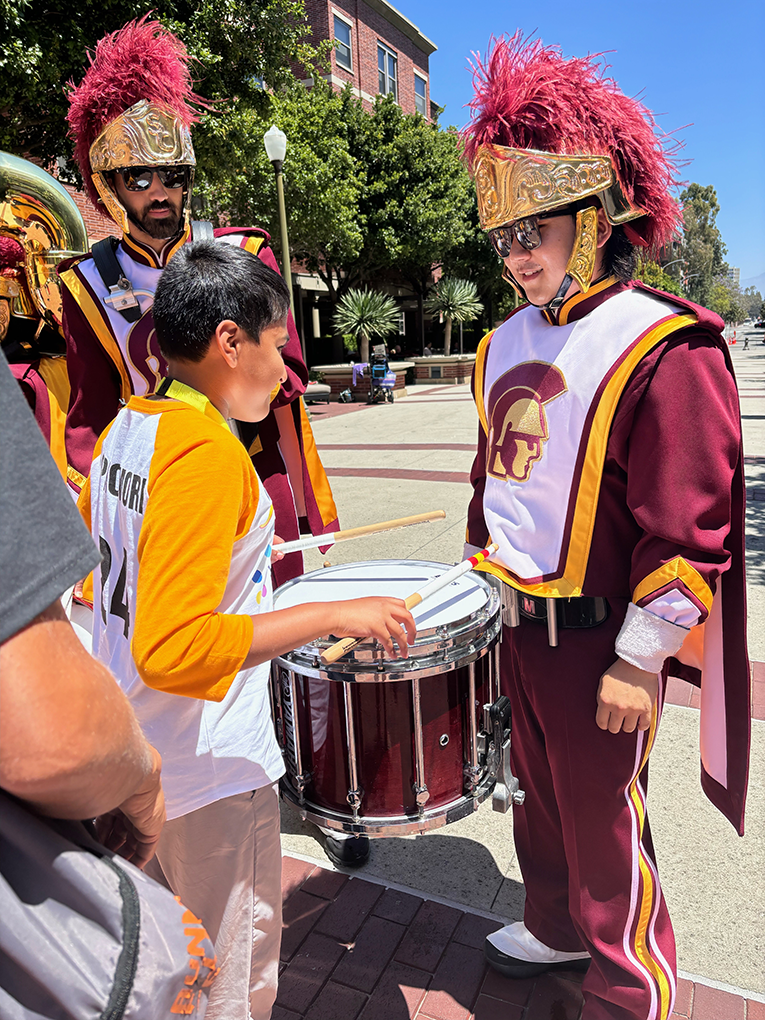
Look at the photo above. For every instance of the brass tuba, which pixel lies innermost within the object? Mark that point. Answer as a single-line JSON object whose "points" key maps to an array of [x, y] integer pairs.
{"points": [[39, 213]]}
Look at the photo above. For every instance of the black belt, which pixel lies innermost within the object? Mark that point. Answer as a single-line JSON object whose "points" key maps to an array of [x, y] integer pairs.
{"points": [[573, 614]]}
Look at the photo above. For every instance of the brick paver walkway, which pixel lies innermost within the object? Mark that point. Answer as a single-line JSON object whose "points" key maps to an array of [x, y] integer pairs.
{"points": [[355, 950]]}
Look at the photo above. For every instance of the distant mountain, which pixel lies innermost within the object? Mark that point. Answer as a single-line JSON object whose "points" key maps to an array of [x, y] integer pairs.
{"points": [[755, 281]]}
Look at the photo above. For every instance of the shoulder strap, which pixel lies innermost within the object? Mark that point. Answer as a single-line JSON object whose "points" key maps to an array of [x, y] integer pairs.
{"points": [[202, 230], [121, 293]]}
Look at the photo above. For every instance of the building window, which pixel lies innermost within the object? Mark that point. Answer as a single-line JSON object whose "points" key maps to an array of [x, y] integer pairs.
{"points": [[421, 95], [343, 44], [387, 71]]}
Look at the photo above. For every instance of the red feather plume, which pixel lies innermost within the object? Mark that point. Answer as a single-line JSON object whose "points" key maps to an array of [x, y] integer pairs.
{"points": [[528, 96], [11, 255], [140, 61]]}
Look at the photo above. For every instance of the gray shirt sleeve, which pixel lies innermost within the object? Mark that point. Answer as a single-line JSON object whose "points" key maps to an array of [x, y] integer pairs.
{"points": [[44, 545]]}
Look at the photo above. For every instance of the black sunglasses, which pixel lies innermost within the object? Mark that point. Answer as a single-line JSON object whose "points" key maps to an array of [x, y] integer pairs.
{"points": [[525, 231], [139, 178]]}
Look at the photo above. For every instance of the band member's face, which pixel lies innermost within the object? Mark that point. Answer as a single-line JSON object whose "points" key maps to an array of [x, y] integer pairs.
{"points": [[541, 271], [260, 370], [155, 212]]}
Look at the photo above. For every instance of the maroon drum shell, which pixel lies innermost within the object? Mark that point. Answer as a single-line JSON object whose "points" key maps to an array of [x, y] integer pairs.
{"points": [[384, 729]]}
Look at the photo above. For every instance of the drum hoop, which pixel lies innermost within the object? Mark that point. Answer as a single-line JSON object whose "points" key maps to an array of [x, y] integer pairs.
{"points": [[388, 825], [382, 670]]}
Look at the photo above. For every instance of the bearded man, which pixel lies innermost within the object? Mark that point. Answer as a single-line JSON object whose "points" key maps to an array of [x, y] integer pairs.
{"points": [[131, 117]]}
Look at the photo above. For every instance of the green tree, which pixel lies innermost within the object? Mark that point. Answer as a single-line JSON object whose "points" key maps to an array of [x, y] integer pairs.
{"points": [[322, 180], [416, 203], [455, 301], [364, 314], [475, 259], [752, 301], [652, 274], [728, 301], [239, 44], [702, 246]]}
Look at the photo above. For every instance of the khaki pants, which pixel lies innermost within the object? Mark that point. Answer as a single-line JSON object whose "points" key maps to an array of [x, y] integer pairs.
{"points": [[224, 862]]}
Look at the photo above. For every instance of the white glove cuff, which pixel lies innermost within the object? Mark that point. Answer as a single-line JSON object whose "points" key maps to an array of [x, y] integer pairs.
{"points": [[646, 640]]}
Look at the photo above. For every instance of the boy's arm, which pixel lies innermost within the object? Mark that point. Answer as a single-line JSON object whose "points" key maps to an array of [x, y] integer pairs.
{"points": [[386, 619], [201, 497]]}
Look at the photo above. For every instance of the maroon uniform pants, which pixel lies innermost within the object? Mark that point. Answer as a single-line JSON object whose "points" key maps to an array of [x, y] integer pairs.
{"points": [[582, 835]]}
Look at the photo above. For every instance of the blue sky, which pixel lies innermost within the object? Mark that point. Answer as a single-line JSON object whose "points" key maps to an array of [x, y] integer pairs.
{"points": [[701, 65]]}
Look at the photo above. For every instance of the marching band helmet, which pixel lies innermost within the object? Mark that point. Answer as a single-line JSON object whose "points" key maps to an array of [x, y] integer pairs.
{"points": [[549, 133], [40, 225], [134, 107]]}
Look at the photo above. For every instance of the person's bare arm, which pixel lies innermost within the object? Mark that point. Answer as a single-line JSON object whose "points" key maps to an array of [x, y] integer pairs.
{"points": [[70, 743], [386, 619]]}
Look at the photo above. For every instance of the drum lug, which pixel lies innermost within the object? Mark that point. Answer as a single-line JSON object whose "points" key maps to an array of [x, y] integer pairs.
{"points": [[421, 796], [354, 802], [300, 782], [507, 791], [472, 774]]}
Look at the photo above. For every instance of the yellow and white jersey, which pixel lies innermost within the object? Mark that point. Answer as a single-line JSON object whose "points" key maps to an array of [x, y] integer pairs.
{"points": [[185, 530]]}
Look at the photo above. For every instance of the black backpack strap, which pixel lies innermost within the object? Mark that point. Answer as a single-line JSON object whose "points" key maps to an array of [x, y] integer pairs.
{"points": [[121, 297], [202, 230]]}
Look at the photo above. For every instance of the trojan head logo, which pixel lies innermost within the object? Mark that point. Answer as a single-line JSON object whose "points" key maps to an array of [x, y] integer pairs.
{"points": [[517, 419]]}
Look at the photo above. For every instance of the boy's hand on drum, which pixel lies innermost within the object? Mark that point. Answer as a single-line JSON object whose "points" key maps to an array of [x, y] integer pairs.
{"points": [[386, 619], [275, 554], [626, 696]]}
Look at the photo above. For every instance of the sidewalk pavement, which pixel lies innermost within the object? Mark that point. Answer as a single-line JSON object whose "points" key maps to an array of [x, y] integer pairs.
{"points": [[403, 937]]}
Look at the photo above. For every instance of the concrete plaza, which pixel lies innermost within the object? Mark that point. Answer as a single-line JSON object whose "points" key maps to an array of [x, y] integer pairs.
{"points": [[388, 461]]}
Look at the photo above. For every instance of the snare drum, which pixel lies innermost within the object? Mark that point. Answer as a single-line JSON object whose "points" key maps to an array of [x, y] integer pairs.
{"points": [[390, 746]]}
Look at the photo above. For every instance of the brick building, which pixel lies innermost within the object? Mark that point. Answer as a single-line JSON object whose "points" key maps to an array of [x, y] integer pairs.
{"points": [[378, 51], [96, 225]]}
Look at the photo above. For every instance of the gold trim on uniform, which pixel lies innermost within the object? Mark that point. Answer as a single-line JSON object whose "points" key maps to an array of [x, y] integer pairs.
{"points": [[570, 303], [95, 315], [677, 569]]}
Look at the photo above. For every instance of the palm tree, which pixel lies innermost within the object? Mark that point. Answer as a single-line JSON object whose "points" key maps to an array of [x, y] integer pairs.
{"points": [[364, 314], [456, 301]]}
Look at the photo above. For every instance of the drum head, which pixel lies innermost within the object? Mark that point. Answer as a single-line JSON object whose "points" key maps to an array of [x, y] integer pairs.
{"points": [[393, 578], [458, 622]]}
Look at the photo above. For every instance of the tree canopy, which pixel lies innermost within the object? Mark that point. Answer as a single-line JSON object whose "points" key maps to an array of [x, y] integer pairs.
{"points": [[455, 301], [652, 274], [702, 245], [367, 194], [364, 314], [239, 44]]}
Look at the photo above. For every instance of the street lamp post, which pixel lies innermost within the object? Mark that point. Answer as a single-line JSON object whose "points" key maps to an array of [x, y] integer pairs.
{"points": [[674, 262], [275, 142]]}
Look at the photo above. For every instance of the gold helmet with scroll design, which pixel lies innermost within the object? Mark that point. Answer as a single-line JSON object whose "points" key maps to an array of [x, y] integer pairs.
{"points": [[42, 226]]}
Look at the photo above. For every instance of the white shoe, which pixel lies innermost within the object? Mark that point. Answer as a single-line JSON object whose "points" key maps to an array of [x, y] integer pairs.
{"points": [[514, 952]]}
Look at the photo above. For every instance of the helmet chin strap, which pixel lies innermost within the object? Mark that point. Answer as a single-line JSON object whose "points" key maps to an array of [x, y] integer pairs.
{"points": [[551, 306], [560, 296], [580, 265]]}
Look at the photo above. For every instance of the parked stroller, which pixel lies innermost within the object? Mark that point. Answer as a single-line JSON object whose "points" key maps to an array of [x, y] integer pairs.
{"points": [[381, 379]]}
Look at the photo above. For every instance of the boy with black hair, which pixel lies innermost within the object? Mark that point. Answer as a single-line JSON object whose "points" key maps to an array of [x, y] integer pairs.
{"points": [[184, 603]]}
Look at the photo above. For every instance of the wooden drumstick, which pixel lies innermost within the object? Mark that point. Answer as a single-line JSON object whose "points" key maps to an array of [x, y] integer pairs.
{"points": [[339, 648], [312, 541]]}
